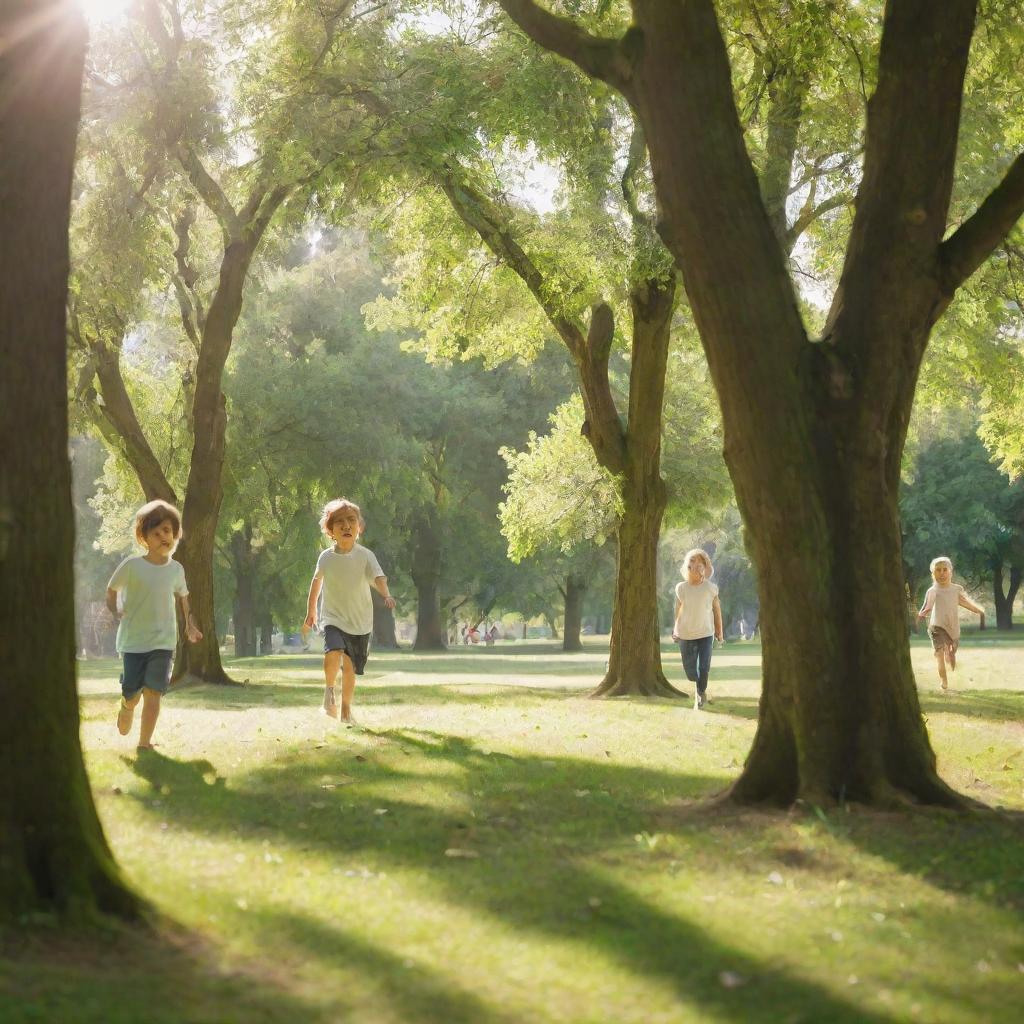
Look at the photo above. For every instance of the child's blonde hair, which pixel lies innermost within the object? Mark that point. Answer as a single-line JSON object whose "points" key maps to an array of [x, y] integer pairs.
{"points": [[700, 555], [152, 514], [939, 561], [334, 508]]}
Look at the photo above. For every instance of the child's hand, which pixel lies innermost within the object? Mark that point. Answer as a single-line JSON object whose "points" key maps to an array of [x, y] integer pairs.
{"points": [[194, 634], [389, 601], [310, 621], [675, 639], [720, 637]]}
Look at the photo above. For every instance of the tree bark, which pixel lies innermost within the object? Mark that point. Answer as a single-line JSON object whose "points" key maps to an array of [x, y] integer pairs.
{"points": [[384, 636], [814, 432], [266, 633], [244, 607], [1004, 599], [575, 591], [426, 576], [634, 662], [53, 854]]}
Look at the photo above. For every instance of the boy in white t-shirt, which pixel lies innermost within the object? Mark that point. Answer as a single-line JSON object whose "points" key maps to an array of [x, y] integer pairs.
{"points": [[698, 621], [944, 600], [345, 573], [147, 632]]}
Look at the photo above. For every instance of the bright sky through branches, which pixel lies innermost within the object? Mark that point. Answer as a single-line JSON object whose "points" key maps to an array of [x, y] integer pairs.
{"points": [[97, 12]]}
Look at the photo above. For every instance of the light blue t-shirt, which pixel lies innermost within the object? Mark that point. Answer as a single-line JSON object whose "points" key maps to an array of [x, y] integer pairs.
{"points": [[146, 596], [345, 600]]}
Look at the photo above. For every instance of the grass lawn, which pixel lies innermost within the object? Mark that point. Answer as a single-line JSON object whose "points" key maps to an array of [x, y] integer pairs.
{"points": [[494, 847]]}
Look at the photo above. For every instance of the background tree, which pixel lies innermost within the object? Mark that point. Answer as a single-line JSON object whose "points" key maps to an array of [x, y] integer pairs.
{"points": [[959, 504], [814, 430], [53, 855]]}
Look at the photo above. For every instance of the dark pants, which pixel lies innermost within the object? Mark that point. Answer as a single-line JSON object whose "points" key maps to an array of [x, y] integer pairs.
{"points": [[697, 660]]}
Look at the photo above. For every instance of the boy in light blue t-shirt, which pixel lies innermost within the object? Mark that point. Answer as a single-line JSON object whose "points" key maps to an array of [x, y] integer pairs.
{"points": [[147, 633]]}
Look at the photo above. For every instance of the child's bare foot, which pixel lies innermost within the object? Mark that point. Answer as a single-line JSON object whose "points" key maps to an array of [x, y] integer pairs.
{"points": [[944, 686], [330, 702], [145, 746], [125, 715], [348, 719]]}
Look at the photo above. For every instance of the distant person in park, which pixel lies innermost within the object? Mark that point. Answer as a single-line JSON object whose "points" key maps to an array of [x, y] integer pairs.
{"points": [[944, 601], [698, 621], [345, 572], [147, 631]]}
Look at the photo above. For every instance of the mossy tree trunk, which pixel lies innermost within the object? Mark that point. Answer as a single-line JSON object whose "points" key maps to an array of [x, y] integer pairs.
{"points": [[53, 855], [1004, 598], [814, 430]]}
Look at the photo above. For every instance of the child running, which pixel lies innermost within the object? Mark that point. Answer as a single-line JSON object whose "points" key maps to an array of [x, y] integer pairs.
{"points": [[345, 572], [944, 600], [698, 620], [148, 627]]}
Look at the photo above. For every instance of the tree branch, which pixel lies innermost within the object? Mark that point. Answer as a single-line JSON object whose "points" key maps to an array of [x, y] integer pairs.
{"points": [[971, 244], [600, 57], [810, 213], [209, 191]]}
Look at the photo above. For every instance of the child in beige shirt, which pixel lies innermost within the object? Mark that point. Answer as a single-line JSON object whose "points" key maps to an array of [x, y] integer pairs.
{"points": [[944, 601]]}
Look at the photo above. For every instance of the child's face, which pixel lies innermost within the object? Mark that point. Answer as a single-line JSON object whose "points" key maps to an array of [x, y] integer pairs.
{"points": [[942, 574], [161, 540], [345, 529], [695, 571]]}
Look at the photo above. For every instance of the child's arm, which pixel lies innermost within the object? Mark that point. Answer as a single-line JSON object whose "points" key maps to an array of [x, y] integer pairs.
{"points": [[966, 602], [675, 619], [929, 600], [716, 607], [314, 593], [191, 629], [380, 584], [112, 604]]}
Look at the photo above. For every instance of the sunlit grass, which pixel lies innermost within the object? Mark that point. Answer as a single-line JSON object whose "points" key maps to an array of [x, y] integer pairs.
{"points": [[497, 847]]}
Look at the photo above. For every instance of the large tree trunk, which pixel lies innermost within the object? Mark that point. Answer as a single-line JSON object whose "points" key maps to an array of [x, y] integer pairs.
{"points": [[575, 591], [634, 663], [1004, 600], [426, 576], [53, 855], [266, 633]]}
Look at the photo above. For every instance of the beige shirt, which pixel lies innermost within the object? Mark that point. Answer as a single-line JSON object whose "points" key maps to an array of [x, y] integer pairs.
{"points": [[696, 618], [345, 600], [944, 604]]}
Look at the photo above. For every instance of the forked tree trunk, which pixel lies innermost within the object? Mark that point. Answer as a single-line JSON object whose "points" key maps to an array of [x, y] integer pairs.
{"points": [[575, 591], [426, 576], [814, 432], [53, 855], [634, 662], [1004, 600]]}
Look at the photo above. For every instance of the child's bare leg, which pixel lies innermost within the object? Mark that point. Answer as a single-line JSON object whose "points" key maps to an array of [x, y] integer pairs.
{"points": [[940, 662], [348, 687], [150, 713], [332, 662], [126, 713], [951, 656]]}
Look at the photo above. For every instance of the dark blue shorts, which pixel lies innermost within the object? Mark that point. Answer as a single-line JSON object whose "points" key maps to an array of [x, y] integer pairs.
{"points": [[357, 647], [151, 669]]}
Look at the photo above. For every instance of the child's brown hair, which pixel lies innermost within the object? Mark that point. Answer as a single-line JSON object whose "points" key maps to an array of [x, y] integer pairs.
{"points": [[152, 514], [334, 508]]}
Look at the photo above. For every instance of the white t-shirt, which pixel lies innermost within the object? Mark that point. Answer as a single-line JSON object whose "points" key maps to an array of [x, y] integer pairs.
{"points": [[345, 600], [696, 618], [944, 604], [147, 592]]}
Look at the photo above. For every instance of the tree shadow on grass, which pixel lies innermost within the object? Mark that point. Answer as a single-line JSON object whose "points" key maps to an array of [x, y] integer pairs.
{"points": [[532, 821], [992, 705], [127, 975]]}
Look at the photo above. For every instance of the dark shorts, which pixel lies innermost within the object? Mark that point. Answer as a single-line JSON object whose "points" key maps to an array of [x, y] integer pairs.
{"points": [[357, 647], [941, 640], [151, 669]]}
